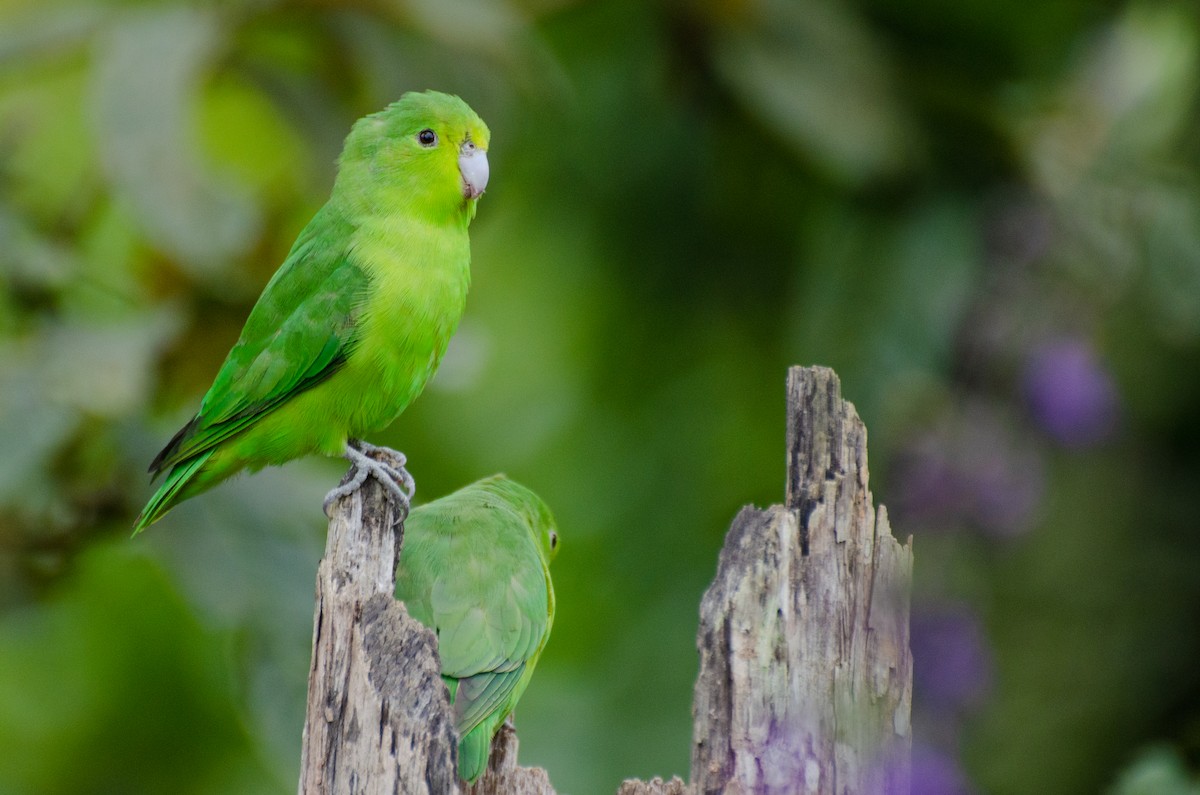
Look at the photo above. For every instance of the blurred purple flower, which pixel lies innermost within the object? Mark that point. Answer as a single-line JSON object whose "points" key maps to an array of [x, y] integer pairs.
{"points": [[935, 772], [952, 667], [969, 470], [1070, 393], [929, 487]]}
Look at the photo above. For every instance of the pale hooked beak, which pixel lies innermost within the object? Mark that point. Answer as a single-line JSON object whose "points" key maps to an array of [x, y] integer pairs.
{"points": [[473, 165]]}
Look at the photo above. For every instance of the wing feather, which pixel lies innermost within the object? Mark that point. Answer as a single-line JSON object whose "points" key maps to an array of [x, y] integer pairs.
{"points": [[481, 695], [298, 334], [487, 597]]}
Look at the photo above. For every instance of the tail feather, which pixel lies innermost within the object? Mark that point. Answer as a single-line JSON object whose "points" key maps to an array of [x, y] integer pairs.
{"points": [[161, 460], [473, 750], [168, 493]]}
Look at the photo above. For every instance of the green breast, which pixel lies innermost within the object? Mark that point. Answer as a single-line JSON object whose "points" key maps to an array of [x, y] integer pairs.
{"points": [[419, 275]]}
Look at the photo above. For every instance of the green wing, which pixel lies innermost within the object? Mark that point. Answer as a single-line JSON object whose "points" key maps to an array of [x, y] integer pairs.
{"points": [[482, 695], [298, 334], [481, 585]]}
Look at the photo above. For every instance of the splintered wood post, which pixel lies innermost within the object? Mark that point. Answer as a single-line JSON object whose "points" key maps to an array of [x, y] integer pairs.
{"points": [[805, 680], [378, 720], [378, 717]]}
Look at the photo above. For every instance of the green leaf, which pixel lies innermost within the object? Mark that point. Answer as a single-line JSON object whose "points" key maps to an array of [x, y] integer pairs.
{"points": [[815, 76], [149, 70], [1158, 770]]}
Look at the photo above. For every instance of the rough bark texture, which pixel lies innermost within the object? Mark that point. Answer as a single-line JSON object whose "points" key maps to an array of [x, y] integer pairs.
{"points": [[655, 786], [805, 678], [378, 718]]}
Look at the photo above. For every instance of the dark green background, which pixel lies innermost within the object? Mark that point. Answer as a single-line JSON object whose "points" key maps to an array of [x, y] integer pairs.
{"points": [[984, 216]]}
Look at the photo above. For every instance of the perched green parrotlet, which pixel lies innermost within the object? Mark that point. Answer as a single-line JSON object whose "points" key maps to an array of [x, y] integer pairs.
{"points": [[475, 568], [353, 324]]}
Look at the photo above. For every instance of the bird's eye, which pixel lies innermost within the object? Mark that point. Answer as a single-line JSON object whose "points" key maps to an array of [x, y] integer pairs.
{"points": [[554, 540], [427, 137]]}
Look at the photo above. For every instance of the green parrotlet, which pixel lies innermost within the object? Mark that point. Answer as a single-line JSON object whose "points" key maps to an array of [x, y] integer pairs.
{"points": [[475, 568], [354, 323]]}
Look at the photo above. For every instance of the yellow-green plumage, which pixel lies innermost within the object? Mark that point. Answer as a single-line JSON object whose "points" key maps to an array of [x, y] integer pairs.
{"points": [[475, 568], [354, 323]]}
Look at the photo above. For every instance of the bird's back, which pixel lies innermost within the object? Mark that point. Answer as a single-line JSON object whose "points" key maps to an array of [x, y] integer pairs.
{"points": [[470, 569]]}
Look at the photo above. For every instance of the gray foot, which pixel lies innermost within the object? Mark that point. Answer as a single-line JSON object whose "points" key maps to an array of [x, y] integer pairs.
{"points": [[383, 464]]}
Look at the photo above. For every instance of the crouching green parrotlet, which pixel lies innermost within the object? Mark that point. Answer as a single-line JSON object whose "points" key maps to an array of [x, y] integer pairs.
{"points": [[475, 568], [354, 323]]}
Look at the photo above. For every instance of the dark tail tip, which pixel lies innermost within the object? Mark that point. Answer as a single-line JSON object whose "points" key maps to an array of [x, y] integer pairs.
{"points": [[165, 456]]}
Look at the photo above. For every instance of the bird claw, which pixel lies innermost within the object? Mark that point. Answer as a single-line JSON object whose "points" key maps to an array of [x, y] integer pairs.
{"points": [[383, 464]]}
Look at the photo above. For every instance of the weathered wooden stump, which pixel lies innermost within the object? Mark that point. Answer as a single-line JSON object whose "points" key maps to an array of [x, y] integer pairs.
{"points": [[805, 681], [378, 716]]}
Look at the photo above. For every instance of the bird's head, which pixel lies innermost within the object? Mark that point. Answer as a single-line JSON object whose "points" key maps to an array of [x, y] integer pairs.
{"points": [[547, 532], [427, 152], [533, 511]]}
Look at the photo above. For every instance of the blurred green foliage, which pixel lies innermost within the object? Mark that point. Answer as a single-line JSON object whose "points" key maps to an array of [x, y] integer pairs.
{"points": [[985, 216]]}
